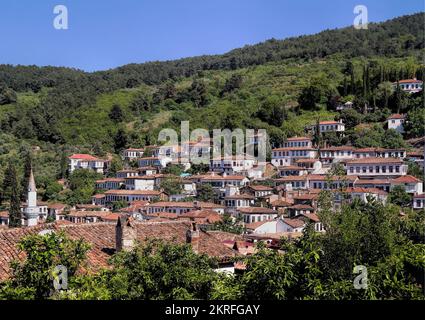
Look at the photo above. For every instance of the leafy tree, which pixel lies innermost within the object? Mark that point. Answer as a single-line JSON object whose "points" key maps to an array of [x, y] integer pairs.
{"points": [[350, 117], [205, 192], [414, 124], [399, 196], [229, 224], [116, 114], [233, 83], [7, 96], [384, 92], [310, 97], [120, 140], [116, 165], [415, 170], [52, 191], [392, 139], [82, 185], [118, 205], [161, 271], [171, 185], [173, 169], [32, 278], [272, 112], [198, 168]]}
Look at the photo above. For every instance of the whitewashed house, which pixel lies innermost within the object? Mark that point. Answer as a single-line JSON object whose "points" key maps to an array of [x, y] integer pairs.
{"points": [[396, 122]]}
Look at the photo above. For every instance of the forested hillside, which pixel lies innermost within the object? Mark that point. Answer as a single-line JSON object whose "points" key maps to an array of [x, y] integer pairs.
{"points": [[279, 85]]}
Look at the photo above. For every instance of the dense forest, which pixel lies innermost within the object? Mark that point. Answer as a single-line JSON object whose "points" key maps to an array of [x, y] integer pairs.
{"points": [[60, 110]]}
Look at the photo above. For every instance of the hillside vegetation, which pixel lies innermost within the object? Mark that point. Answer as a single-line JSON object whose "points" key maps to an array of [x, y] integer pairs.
{"points": [[279, 85]]}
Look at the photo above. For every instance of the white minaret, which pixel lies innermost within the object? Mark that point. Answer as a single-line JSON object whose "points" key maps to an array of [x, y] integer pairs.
{"points": [[31, 211]]}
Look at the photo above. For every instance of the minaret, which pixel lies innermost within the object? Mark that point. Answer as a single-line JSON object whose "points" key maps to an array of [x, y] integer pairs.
{"points": [[31, 211]]}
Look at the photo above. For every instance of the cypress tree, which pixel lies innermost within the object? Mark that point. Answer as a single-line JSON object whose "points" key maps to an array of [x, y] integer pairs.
{"points": [[63, 166], [27, 173], [15, 214]]}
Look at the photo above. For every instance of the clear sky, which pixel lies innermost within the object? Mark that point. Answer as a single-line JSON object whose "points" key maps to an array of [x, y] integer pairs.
{"points": [[104, 34]]}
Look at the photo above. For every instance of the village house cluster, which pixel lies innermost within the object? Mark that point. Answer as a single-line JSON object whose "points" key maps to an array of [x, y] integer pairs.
{"points": [[268, 200]]}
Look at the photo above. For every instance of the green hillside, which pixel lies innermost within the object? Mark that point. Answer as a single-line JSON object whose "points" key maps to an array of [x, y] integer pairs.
{"points": [[279, 85]]}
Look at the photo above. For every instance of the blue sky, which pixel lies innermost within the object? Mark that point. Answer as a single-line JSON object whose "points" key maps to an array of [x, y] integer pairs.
{"points": [[104, 34]]}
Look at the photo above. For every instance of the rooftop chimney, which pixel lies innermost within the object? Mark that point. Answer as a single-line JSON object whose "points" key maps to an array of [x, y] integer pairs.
{"points": [[125, 234], [192, 237]]}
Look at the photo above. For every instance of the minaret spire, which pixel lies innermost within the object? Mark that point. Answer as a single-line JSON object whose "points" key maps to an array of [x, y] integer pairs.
{"points": [[31, 211], [31, 183]]}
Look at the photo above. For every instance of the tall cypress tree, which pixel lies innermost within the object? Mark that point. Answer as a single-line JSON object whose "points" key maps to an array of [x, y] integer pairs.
{"points": [[5, 195], [15, 214], [63, 166], [27, 173]]}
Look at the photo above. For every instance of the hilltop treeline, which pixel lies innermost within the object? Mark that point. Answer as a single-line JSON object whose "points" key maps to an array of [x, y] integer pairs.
{"points": [[395, 37]]}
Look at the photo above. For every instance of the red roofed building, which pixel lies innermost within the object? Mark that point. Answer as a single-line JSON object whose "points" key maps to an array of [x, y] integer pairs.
{"points": [[409, 85], [411, 184], [419, 201], [396, 122], [376, 167], [86, 161]]}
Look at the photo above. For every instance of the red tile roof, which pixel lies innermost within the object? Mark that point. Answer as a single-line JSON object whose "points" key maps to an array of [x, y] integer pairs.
{"points": [[396, 116], [406, 179], [374, 160], [294, 222], [257, 210], [82, 156], [409, 81], [298, 139], [101, 237]]}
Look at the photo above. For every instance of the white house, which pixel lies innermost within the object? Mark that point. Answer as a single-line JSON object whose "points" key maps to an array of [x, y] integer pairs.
{"points": [[220, 182], [376, 167], [140, 182], [337, 153], [409, 85], [109, 183], [132, 195], [419, 201], [330, 126], [295, 142], [411, 184], [362, 194], [288, 156], [266, 227], [86, 161], [396, 122], [256, 214], [237, 201], [232, 164], [127, 173], [158, 162], [293, 224], [133, 153]]}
